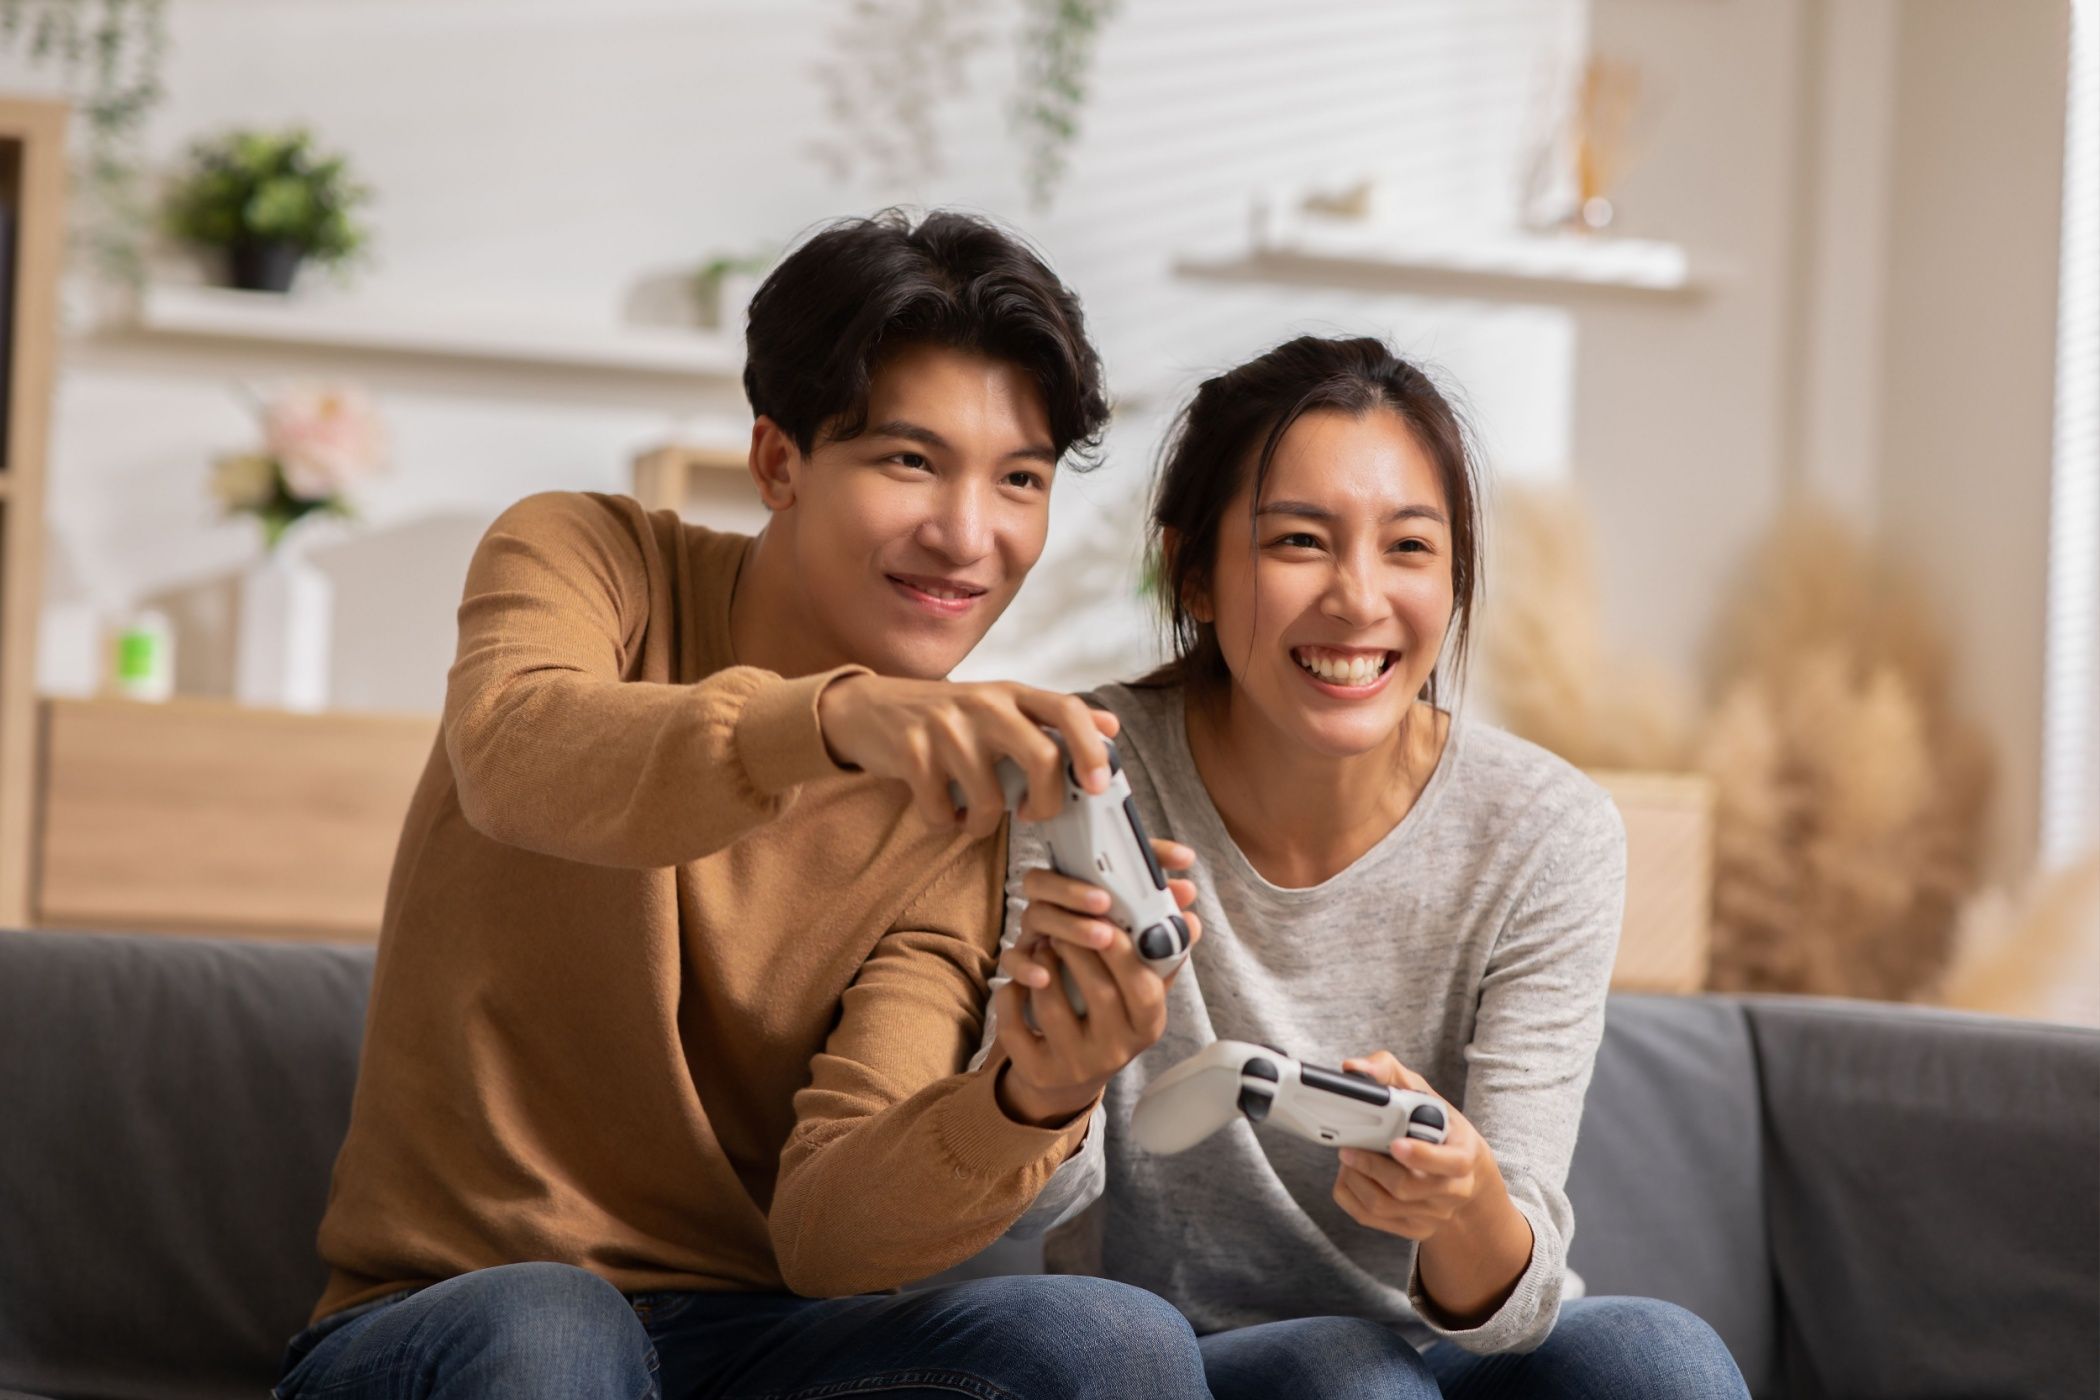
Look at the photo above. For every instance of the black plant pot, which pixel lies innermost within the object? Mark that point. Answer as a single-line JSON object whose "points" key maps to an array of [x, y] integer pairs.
{"points": [[264, 265]]}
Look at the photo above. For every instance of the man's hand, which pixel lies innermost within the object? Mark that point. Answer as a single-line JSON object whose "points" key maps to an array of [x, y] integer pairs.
{"points": [[1057, 1069], [1415, 1189], [927, 734]]}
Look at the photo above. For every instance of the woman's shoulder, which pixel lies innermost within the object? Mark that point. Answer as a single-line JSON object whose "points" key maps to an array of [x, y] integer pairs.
{"points": [[1522, 789]]}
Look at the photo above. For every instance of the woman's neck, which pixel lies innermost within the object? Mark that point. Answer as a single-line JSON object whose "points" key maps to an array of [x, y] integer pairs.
{"points": [[1299, 817]]}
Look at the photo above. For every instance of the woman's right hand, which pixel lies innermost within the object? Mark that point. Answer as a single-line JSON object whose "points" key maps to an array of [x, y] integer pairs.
{"points": [[1058, 1067]]}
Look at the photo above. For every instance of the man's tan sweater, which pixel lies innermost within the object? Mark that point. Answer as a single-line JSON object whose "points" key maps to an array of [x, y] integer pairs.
{"points": [[661, 991]]}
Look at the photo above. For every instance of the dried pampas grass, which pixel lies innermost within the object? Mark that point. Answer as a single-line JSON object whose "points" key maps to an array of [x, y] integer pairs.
{"points": [[1548, 674], [1848, 796], [2037, 955]]}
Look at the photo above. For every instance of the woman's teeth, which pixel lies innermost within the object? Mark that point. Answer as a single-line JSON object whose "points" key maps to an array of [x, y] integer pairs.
{"points": [[1358, 670]]}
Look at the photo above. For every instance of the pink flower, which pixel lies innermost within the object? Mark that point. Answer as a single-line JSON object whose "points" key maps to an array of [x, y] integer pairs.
{"points": [[325, 437]]}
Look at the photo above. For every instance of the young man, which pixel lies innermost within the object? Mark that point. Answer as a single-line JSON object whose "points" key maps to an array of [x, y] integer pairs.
{"points": [[686, 946]]}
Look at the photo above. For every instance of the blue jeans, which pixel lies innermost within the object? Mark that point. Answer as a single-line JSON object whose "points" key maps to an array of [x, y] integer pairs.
{"points": [[555, 1332], [1599, 1349], [527, 1331]]}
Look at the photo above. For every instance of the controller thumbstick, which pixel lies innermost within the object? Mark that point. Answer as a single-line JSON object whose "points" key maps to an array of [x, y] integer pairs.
{"points": [[1254, 1103], [1158, 943], [1426, 1115]]}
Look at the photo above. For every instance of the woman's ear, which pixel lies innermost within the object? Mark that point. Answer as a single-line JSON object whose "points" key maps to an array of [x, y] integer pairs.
{"points": [[1195, 598], [774, 463]]}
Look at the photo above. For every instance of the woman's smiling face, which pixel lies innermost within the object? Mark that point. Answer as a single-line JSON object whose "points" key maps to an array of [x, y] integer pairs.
{"points": [[1333, 620]]}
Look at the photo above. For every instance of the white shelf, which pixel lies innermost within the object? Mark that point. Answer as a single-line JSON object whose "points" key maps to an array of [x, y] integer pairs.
{"points": [[337, 323], [1507, 265]]}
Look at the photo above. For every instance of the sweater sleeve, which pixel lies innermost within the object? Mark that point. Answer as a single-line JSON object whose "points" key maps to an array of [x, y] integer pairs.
{"points": [[1535, 1038], [901, 1162], [556, 751]]}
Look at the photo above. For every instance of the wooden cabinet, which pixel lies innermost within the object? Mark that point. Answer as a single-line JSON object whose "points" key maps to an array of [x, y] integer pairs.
{"points": [[32, 251], [203, 817]]}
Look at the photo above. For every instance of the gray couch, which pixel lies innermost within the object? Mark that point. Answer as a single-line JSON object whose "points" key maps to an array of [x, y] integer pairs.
{"points": [[1864, 1201]]}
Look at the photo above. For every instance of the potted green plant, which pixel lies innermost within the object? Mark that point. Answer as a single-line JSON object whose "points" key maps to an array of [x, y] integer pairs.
{"points": [[722, 287], [269, 201]]}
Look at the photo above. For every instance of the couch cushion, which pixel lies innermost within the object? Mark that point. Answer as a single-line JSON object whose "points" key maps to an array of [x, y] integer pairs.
{"points": [[1934, 1193], [173, 1109], [1667, 1182]]}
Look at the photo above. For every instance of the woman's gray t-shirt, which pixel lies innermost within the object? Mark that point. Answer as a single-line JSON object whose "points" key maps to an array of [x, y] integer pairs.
{"points": [[1475, 942]]}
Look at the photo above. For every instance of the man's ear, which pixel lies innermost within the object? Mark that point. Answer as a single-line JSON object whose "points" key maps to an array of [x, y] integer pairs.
{"points": [[1195, 598], [775, 463]]}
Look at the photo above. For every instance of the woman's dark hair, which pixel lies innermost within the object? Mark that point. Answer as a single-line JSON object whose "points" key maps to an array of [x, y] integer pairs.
{"points": [[861, 288], [1231, 429]]}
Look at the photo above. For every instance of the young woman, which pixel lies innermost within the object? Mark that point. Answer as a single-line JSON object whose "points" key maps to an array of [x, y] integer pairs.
{"points": [[1382, 884]]}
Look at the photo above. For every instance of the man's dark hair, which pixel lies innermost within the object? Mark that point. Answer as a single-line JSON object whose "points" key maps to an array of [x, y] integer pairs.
{"points": [[861, 288]]}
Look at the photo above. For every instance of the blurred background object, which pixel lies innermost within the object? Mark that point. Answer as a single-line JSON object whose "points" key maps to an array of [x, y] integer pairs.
{"points": [[1777, 323]]}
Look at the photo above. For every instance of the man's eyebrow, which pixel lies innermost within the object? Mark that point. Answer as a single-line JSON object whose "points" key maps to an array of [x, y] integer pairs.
{"points": [[919, 433], [1307, 510]]}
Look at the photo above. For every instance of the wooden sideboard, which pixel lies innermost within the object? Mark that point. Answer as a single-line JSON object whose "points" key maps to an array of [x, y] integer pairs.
{"points": [[200, 816]]}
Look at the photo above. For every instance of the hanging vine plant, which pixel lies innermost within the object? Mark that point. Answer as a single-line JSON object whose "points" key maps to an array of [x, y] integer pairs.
{"points": [[895, 63], [109, 53], [1056, 59]]}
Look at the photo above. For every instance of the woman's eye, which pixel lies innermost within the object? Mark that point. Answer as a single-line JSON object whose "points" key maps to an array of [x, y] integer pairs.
{"points": [[1298, 539], [1412, 546]]}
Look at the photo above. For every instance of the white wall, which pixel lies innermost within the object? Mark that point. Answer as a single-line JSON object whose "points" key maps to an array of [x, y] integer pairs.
{"points": [[541, 158]]}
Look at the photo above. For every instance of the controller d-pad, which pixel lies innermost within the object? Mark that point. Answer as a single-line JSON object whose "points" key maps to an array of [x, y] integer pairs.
{"points": [[1258, 1068], [1254, 1102]]}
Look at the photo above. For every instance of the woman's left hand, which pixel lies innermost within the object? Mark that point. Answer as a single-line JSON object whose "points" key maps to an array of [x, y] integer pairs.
{"points": [[1414, 1189]]}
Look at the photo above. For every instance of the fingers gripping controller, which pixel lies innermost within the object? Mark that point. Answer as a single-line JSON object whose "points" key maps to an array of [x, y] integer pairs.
{"points": [[1232, 1078], [1102, 840]]}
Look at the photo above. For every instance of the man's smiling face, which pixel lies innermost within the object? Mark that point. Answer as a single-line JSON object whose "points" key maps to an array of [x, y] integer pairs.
{"points": [[911, 537]]}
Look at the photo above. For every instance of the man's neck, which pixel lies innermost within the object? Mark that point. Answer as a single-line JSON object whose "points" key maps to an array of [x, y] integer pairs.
{"points": [[770, 624]]}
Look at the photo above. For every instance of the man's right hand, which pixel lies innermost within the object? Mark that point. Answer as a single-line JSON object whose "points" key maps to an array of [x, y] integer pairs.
{"points": [[927, 734], [1058, 1068]]}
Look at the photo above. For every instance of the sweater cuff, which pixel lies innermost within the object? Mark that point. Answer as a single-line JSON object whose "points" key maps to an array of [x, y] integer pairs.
{"points": [[778, 737], [985, 1142], [1516, 1325]]}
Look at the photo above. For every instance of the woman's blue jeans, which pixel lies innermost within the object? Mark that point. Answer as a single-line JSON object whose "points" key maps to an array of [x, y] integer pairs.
{"points": [[528, 1331]]}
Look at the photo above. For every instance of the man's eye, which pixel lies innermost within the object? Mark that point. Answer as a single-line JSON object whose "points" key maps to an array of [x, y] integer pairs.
{"points": [[1028, 481], [912, 460]]}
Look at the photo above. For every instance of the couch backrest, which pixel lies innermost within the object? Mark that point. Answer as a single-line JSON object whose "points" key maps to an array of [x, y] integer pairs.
{"points": [[1668, 1180], [1910, 1207], [1933, 1199], [170, 1109]]}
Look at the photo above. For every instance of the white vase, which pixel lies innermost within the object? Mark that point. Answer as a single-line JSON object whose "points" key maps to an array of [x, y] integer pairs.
{"points": [[281, 652]]}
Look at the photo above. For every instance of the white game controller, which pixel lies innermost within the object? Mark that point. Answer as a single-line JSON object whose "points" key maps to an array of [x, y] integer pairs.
{"points": [[1102, 840], [1229, 1078]]}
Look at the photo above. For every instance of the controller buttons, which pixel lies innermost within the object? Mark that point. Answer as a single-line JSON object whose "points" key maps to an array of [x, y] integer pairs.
{"points": [[1258, 1068], [1115, 760], [1254, 1103]]}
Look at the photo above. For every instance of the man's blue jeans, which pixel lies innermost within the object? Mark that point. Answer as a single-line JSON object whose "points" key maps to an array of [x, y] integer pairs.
{"points": [[527, 1331]]}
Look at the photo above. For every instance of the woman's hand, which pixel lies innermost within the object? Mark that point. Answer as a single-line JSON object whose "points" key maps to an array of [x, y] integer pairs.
{"points": [[1415, 1189], [1058, 1068]]}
